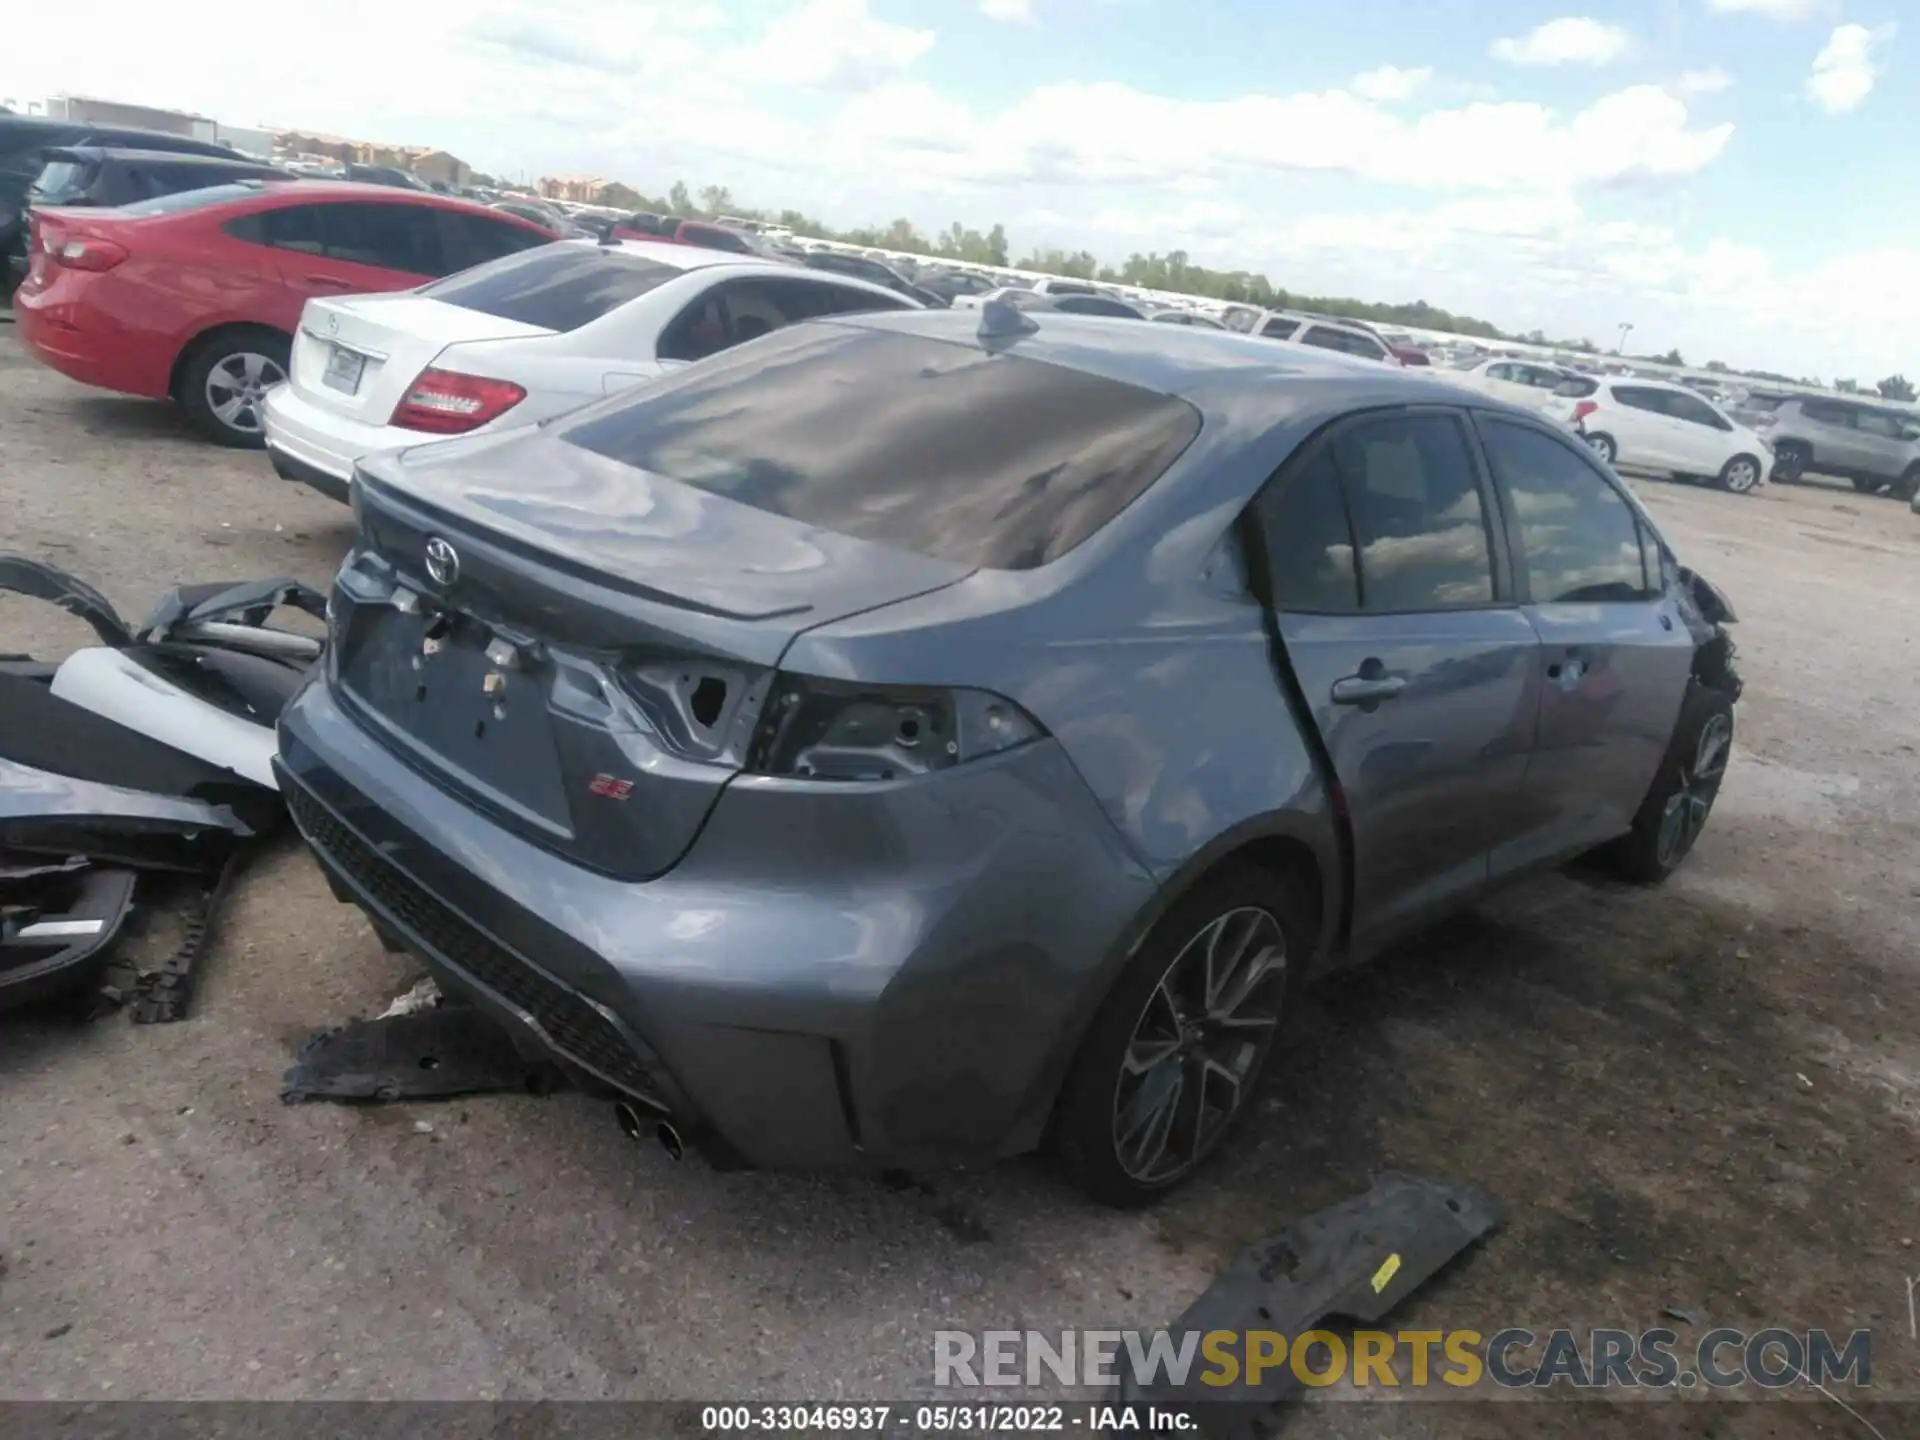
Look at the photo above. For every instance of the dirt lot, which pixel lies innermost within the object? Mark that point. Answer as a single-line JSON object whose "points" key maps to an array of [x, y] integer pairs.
{"points": [[1701, 1097]]}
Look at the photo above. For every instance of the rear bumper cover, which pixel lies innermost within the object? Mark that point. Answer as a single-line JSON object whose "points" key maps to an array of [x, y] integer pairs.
{"points": [[834, 975], [109, 360], [290, 467]]}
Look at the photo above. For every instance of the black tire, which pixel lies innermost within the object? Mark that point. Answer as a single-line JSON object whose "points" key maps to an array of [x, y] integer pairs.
{"points": [[1681, 797], [1741, 475], [1791, 460], [1602, 445], [241, 361], [1908, 485], [1153, 1038]]}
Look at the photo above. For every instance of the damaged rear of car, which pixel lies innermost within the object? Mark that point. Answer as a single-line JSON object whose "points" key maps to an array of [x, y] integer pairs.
{"points": [[894, 742]]}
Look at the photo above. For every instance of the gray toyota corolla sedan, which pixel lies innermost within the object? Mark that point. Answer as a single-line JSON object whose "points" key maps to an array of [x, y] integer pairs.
{"points": [[922, 737]]}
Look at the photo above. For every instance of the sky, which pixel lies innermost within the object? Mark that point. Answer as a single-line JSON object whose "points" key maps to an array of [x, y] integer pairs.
{"points": [[1730, 177]]}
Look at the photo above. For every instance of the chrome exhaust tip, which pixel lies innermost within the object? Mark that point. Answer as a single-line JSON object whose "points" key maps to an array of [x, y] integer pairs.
{"points": [[669, 1139]]}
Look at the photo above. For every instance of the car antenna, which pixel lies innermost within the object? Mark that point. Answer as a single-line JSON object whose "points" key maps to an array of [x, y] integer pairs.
{"points": [[1003, 322]]}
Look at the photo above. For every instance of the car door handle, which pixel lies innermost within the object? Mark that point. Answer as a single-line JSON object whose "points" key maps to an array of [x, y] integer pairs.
{"points": [[1569, 669], [1367, 689]]}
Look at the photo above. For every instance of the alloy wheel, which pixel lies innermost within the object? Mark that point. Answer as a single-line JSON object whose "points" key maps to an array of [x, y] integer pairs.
{"points": [[1742, 475], [1601, 446], [1197, 1045], [237, 386], [1685, 815]]}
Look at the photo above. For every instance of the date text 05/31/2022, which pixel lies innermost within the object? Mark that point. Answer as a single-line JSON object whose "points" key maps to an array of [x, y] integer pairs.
{"points": [[945, 1419]]}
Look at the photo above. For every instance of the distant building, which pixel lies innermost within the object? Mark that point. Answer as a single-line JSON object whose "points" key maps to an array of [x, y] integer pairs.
{"points": [[575, 189], [437, 167], [87, 110]]}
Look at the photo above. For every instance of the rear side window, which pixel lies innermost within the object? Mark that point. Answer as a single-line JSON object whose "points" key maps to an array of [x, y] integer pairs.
{"points": [[475, 239], [1415, 500], [1579, 541], [1576, 387], [1344, 341], [557, 287], [1877, 422], [989, 460], [1097, 305], [1309, 544], [711, 237], [1638, 397], [1826, 413], [1279, 329], [391, 237]]}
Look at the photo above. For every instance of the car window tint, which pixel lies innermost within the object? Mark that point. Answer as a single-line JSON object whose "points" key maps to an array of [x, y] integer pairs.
{"points": [[1575, 387], [1638, 397], [1875, 422], [1344, 341], [809, 299], [476, 239], [1500, 372], [400, 237], [1695, 412], [1825, 413], [1095, 305], [1579, 540], [1416, 511], [1309, 545], [558, 287], [291, 227], [1279, 329], [999, 461]]}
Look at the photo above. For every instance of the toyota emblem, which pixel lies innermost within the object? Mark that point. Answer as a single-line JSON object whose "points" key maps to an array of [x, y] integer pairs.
{"points": [[443, 561]]}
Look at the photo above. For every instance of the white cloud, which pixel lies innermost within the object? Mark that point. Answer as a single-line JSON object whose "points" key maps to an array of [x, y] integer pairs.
{"points": [[1772, 9], [1570, 40], [1391, 82], [1702, 82], [831, 45], [1844, 70], [1012, 12]]}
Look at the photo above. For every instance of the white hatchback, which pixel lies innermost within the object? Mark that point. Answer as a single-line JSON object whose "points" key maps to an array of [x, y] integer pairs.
{"points": [[1647, 425], [521, 339]]}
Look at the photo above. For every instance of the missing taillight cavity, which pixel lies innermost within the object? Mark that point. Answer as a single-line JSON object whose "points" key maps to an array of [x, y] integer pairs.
{"points": [[832, 730], [1582, 410], [445, 402], [709, 699]]}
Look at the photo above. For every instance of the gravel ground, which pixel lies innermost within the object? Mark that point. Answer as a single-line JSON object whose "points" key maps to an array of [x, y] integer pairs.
{"points": [[1703, 1096]]}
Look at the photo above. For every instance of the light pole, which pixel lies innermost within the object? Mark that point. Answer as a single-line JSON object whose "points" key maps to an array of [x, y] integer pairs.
{"points": [[1621, 348]]}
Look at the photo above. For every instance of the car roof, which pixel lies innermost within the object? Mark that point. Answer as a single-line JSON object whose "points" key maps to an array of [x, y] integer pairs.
{"points": [[171, 157], [696, 257], [1220, 372]]}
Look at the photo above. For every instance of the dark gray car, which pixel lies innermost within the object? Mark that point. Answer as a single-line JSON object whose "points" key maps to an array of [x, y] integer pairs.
{"points": [[895, 743]]}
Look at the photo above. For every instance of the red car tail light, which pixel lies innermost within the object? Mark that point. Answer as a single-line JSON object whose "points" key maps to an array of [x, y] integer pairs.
{"points": [[444, 402], [74, 251], [1582, 410]]}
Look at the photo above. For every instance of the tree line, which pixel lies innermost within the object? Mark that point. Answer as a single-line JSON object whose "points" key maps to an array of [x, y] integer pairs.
{"points": [[1173, 272]]}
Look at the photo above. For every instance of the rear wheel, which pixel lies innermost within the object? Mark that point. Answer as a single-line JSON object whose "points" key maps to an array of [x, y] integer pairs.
{"points": [[1790, 461], [224, 381], [1908, 485], [1740, 474], [1681, 797], [1168, 1065], [1602, 445]]}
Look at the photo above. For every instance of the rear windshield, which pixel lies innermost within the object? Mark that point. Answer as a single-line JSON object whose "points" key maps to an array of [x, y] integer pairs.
{"points": [[193, 199], [558, 287], [59, 179], [985, 460]]}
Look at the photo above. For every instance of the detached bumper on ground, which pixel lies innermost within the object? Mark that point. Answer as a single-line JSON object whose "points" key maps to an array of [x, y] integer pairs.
{"points": [[854, 996]]}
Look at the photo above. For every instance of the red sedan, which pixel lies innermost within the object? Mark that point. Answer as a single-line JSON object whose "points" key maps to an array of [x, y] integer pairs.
{"points": [[195, 297]]}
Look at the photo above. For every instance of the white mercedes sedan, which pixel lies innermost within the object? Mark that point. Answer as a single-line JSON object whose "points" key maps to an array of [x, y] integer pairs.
{"points": [[520, 339]]}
